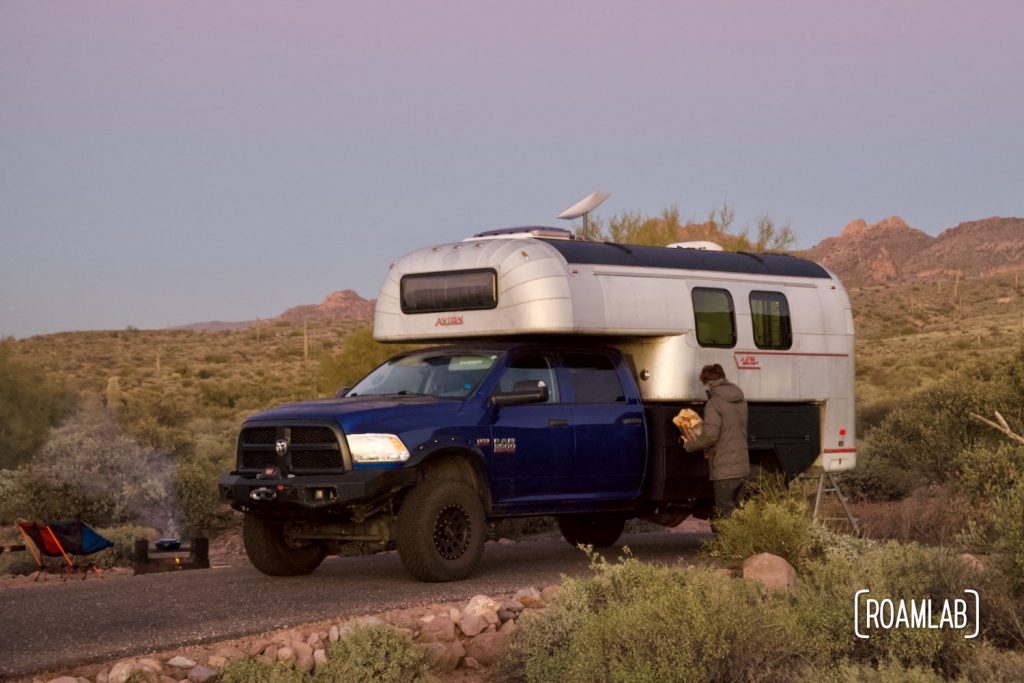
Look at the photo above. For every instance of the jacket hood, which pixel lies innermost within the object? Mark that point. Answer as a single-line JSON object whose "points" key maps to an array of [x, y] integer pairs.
{"points": [[726, 391]]}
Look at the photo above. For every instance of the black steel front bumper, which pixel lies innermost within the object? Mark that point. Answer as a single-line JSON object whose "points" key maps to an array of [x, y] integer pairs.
{"points": [[312, 492]]}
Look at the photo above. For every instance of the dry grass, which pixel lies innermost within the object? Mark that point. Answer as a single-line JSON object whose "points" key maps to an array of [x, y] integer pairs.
{"points": [[931, 515]]}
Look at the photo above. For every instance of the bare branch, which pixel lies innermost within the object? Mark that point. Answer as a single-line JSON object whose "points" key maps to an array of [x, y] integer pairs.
{"points": [[1001, 427]]}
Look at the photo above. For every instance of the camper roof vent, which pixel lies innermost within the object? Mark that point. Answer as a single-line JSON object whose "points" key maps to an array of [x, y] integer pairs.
{"points": [[525, 231], [702, 245]]}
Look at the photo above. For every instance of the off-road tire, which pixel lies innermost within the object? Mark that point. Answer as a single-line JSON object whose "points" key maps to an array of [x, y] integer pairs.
{"points": [[599, 529], [272, 554], [441, 530]]}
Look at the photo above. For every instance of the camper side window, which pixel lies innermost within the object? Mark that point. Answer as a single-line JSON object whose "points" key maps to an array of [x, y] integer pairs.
{"points": [[593, 378], [714, 316], [769, 314]]}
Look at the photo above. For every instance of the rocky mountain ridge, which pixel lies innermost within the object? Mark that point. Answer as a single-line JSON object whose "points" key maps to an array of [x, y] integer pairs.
{"points": [[342, 306], [892, 251]]}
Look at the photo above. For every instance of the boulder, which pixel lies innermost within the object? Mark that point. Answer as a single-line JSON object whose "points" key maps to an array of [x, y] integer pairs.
{"points": [[440, 658], [305, 663], [487, 648], [147, 670], [478, 614], [229, 652], [320, 657], [180, 662], [200, 674], [333, 635], [437, 629], [257, 646], [301, 649], [972, 562], [530, 597], [286, 655], [549, 593], [216, 662], [771, 570], [63, 679]]}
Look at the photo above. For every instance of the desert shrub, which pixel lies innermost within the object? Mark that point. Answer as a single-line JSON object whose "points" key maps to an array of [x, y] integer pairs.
{"points": [[30, 404], [886, 671], [1008, 532], [252, 670], [639, 622], [122, 554], [773, 520], [990, 665], [374, 654], [931, 515], [88, 469], [987, 472]]}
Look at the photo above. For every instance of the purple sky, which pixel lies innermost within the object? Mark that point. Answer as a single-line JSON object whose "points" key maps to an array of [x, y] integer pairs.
{"points": [[167, 163]]}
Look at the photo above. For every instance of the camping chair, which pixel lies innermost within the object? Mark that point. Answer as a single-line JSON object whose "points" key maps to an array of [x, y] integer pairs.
{"points": [[63, 539]]}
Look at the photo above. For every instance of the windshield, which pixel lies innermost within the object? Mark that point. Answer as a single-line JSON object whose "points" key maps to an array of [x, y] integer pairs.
{"points": [[427, 373]]}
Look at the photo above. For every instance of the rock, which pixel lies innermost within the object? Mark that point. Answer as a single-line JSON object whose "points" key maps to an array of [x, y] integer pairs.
{"points": [[471, 663], [437, 629], [135, 669], [508, 628], [229, 653], [271, 652], [506, 541], [771, 570], [305, 663], [487, 648], [332, 635], [63, 679], [549, 593], [440, 658], [512, 605], [200, 674], [454, 615], [478, 614], [180, 662], [320, 657], [164, 678], [257, 646], [286, 655], [530, 597], [216, 662], [103, 677], [506, 615], [370, 621], [301, 649], [972, 561], [265, 659], [404, 620]]}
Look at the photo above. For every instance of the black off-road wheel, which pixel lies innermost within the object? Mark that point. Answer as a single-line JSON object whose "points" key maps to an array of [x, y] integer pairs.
{"points": [[599, 530], [441, 530], [272, 553]]}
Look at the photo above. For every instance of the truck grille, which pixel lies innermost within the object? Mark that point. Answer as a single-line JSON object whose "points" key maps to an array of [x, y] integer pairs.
{"points": [[311, 448]]}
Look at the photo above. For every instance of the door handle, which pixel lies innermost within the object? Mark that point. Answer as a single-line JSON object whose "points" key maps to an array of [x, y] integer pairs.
{"points": [[558, 422], [632, 421]]}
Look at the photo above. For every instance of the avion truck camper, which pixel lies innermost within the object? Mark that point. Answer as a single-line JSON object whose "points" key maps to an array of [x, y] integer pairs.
{"points": [[552, 371]]}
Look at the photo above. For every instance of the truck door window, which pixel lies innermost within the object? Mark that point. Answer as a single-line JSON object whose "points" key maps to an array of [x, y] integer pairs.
{"points": [[529, 367], [593, 378], [715, 317], [769, 314]]}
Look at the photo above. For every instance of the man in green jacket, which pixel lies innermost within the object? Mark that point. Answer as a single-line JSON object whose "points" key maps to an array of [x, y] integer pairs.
{"points": [[723, 437]]}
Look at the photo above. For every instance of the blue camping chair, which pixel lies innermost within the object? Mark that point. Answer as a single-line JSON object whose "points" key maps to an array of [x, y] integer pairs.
{"points": [[63, 539]]}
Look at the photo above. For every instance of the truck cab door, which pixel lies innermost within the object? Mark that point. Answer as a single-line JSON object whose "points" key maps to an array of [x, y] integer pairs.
{"points": [[531, 445], [608, 420]]}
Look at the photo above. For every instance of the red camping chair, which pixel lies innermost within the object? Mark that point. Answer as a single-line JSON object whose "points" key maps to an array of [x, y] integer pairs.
{"points": [[63, 539]]}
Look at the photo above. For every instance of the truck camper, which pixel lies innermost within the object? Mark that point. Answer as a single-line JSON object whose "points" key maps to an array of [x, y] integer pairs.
{"points": [[552, 371]]}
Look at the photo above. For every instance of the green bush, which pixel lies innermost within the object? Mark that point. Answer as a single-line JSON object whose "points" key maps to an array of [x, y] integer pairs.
{"points": [[639, 622], [30, 403], [252, 670], [987, 472], [374, 654], [1008, 532], [773, 520]]}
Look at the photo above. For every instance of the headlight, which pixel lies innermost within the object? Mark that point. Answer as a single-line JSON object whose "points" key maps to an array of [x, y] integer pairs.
{"points": [[377, 448]]}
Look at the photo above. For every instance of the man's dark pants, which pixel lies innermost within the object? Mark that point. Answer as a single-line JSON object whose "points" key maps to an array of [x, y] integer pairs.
{"points": [[727, 495]]}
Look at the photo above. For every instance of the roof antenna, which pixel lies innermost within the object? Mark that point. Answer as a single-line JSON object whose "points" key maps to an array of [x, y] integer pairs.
{"points": [[584, 207]]}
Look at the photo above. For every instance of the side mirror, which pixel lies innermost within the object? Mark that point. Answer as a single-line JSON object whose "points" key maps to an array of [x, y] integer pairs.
{"points": [[531, 391], [340, 393]]}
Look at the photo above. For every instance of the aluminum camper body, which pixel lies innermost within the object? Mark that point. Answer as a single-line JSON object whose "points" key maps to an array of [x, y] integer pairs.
{"points": [[645, 301]]}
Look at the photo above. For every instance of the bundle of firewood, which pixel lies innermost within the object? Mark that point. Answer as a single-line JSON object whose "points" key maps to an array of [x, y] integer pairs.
{"points": [[689, 423]]}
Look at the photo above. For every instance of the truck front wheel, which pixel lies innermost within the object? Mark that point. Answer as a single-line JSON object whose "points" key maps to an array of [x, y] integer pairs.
{"points": [[270, 551], [441, 530], [598, 530]]}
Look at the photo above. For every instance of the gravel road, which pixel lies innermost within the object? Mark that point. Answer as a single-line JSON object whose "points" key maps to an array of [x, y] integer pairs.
{"points": [[78, 622]]}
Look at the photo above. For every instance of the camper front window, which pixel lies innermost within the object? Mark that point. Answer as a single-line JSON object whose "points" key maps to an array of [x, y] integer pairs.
{"points": [[427, 373], [457, 290]]}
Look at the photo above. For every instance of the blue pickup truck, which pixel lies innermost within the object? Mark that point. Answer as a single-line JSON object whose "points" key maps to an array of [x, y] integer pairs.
{"points": [[555, 370], [432, 443]]}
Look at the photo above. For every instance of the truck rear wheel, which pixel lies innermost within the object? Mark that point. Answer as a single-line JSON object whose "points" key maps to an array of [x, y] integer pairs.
{"points": [[270, 551], [598, 530], [441, 530]]}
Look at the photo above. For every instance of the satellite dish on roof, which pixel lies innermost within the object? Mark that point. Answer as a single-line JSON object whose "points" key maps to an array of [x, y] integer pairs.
{"points": [[584, 207]]}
